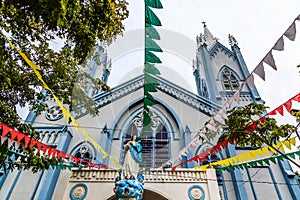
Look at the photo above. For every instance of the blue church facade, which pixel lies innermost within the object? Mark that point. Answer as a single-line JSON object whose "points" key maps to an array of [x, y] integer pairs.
{"points": [[178, 114]]}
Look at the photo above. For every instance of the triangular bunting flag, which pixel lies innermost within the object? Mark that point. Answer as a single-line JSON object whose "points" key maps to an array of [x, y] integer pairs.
{"points": [[287, 144], [151, 32], [280, 146], [250, 81], [27, 140], [3, 140], [266, 161], [152, 46], [20, 137], [292, 141], [154, 3], [260, 71], [270, 60], [291, 32], [151, 18], [288, 105], [14, 134], [273, 159], [280, 110], [279, 45], [280, 158], [260, 162], [266, 151], [5, 130], [273, 112], [291, 155]]}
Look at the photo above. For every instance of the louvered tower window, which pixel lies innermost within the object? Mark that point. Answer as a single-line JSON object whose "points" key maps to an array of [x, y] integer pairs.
{"points": [[229, 79]]}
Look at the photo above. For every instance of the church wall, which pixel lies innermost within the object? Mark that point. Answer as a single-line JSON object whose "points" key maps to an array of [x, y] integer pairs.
{"points": [[7, 184], [24, 188], [62, 184]]}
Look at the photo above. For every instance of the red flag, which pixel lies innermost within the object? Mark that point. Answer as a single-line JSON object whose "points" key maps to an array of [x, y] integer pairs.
{"points": [[5, 130], [14, 134], [20, 137], [288, 105], [32, 143], [262, 119], [27, 140], [280, 110], [273, 112]]}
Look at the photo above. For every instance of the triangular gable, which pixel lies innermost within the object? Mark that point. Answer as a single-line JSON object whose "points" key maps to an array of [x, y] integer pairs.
{"points": [[217, 47], [165, 86]]}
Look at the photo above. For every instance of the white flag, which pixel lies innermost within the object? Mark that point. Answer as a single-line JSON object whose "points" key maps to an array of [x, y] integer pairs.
{"points": [[260, 71], [236, 97], [291, 32], [211, 127], [269, 59], [250, 81], [279, 45]]}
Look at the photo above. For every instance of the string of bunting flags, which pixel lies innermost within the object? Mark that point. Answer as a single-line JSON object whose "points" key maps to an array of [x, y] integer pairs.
{"points": [[151, 34], [67, 115], [16, 138], [218, 147], [220, 117], [260, 162], [242, 159]]}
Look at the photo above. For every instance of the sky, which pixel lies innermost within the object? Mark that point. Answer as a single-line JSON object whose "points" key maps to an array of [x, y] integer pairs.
{"points": [[255, 24]]}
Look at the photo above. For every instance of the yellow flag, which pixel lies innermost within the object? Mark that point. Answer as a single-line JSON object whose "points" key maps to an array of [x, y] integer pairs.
{"points": [[280, 146], [266, 151], [259, 152], [272, 149], [287, 144], [293, 141]]}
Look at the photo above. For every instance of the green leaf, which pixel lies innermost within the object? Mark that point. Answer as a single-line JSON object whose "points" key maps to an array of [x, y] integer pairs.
{"points": [[280, 158], [148, 102], [150, 79], [151, 32], [146, 119], [292, 155], [149, 96], [154, 3], [151, 57], [273, 159], [260, 162], [151, 18], [149, 87], [152, 46], [151, 69], [266, 161]]}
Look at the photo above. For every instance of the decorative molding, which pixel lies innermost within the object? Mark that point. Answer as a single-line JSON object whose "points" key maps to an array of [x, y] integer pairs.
{"points": [[218, 47], [50, 135], [175, 91], [150, 176], [196, 192], [78, 191]]}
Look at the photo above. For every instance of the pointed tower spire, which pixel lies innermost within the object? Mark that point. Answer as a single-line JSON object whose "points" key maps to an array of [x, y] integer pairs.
{"points": [[210, 40]]}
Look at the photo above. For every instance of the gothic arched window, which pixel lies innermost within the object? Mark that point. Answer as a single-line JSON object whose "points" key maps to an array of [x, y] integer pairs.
{"points": [[229, 79], [154, 139], [85, 153]]}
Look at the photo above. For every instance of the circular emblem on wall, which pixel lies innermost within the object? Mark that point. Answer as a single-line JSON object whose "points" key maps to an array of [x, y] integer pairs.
{"points": [[78, 192], [54, 113], [196, 192]]}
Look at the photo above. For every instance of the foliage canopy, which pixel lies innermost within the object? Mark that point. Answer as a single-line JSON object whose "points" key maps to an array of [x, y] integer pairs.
{"points": [[34, 26]]}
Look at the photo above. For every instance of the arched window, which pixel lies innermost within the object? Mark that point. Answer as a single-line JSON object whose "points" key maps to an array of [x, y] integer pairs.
{"points": [[229, 79], [83, 152], [154, 139]]}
